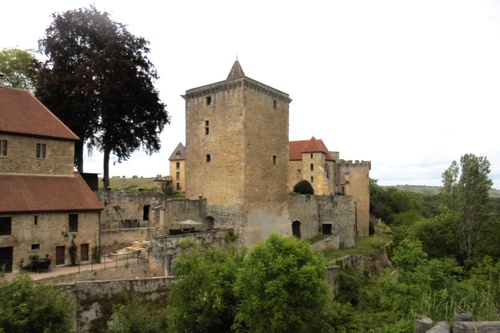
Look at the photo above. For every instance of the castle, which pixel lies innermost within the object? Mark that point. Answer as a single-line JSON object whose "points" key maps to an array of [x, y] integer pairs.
{"points": [[239, 158]]}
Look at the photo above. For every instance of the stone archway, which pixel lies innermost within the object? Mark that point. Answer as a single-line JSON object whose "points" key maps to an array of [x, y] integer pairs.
{"points": [[296, 229], [209, 222]]}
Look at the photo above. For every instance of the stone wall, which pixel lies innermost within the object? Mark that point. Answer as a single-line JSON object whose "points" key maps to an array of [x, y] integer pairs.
{"points": [[95, 300], [166, 248], [47, 235], [314, 211], [116, 239], [21, 156]]}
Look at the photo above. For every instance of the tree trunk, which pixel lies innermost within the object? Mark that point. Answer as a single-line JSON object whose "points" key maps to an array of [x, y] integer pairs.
{"points": [[441, 327], [105, 177], [477, 327]]}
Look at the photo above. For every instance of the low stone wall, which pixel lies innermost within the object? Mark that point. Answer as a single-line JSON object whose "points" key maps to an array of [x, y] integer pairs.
{"points": [[166, 248], [329, 242], [115, 239], [95, 300], [136, 268]]}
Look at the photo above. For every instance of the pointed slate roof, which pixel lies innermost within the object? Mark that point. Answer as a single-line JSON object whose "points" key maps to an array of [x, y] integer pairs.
{"points": [[21, 112], [236, 71], [179, 153], [297, 148]]}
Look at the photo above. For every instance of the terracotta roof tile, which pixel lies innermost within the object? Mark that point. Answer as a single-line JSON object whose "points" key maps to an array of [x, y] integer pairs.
{"points": [[21, 112], [297, 148], [21, 193]]}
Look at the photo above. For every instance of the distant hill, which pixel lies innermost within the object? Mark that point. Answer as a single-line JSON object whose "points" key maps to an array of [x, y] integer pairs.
{"points": [[424, 189]]}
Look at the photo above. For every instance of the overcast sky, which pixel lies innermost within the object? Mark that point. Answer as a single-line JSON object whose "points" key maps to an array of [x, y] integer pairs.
{"points": [[409, 85]]}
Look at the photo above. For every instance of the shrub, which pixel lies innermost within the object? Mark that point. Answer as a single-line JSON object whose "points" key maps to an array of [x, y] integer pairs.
{"points": [[303, 187]]}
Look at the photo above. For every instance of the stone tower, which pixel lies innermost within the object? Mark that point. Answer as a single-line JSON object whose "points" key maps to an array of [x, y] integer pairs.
{"points": [[237, 154]]}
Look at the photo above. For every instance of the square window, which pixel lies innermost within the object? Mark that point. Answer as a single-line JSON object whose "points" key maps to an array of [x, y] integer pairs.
{"points": [[209, 100], [5, 225], [73, 222], [177, 165], [209, 157], [35, 246], [3, 147]]}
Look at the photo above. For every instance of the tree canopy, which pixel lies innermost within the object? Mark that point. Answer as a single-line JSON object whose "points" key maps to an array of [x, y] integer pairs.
{"points": [[16, 64], [99, 81], [465, 193], [303, 187], [30, 307]]}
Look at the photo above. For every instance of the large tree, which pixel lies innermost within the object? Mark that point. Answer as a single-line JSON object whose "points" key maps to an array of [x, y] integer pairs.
{"points": [[282, 287], [32, 307], [16, 64], [465, 193], [99, 81]]}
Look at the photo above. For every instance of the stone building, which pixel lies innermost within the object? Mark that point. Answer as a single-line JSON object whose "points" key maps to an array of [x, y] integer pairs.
{"points": [[47, 208], [178, 168], [238, 157]]}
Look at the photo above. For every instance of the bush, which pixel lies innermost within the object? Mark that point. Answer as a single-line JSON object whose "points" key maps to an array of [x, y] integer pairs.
{"points": [[303, 187]]}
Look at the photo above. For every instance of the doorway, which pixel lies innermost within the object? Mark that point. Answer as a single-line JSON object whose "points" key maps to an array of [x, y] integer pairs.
{"points": [[6, 258], [60, 255], [84, 252], [296, 229]]}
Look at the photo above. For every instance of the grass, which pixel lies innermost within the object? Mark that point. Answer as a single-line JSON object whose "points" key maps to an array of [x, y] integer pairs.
{"points": [[364, 245], [130, 184]]}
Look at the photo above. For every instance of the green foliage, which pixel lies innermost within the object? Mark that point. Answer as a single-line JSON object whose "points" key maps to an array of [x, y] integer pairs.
{"points": [[202, 299], [282, 288], [16, 65], [30, 307], [99, 81], [303, 187], [465, 194], [139, 315]]}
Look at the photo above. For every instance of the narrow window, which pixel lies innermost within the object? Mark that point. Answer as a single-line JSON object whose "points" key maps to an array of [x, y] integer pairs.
{"points": [[5, 225], [3, 144], [145, 212], [73, 222], [35, 219], [178, 165], [209, 158], [327, 171], [312, 155], [35, 246], [40, 150], [275, 104], [312, 167], [312, 179], [274, 159], [209, 100], [177, 175], [178, 186], [207, 127]]}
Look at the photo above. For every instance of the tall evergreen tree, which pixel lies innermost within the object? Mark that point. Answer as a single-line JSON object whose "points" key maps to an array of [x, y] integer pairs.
{"points": [[99, 81]]}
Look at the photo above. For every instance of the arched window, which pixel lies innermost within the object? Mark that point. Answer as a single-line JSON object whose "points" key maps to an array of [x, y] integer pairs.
{"points": [[296, 229]]}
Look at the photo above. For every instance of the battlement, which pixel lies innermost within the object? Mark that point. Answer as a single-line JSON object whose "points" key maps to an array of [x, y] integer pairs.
{"points": [[356, 163]]}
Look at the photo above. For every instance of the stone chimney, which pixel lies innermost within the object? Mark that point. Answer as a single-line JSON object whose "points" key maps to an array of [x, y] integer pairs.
{"points": [[2, 80]]}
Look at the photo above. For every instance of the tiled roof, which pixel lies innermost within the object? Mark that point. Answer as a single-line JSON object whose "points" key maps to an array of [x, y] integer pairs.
{"points": [[179, 153], [236, 71], [21, 112], [297, 148], [21, 193]]}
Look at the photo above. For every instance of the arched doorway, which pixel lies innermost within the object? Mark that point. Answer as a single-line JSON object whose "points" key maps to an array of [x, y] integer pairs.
{"points": [[209, 222], [296, 229]]}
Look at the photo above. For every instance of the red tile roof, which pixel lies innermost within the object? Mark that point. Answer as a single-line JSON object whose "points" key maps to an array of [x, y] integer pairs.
{"points": [[297, 148], [21, 112], [21, 193]]}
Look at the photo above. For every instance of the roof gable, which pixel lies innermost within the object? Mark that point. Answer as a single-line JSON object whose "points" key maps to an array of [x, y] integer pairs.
{"points": [[22, 113], [179, 153], [297, 148]]}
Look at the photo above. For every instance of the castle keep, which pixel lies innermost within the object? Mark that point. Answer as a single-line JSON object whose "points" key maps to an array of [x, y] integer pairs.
{"points": [[239, 159]]}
